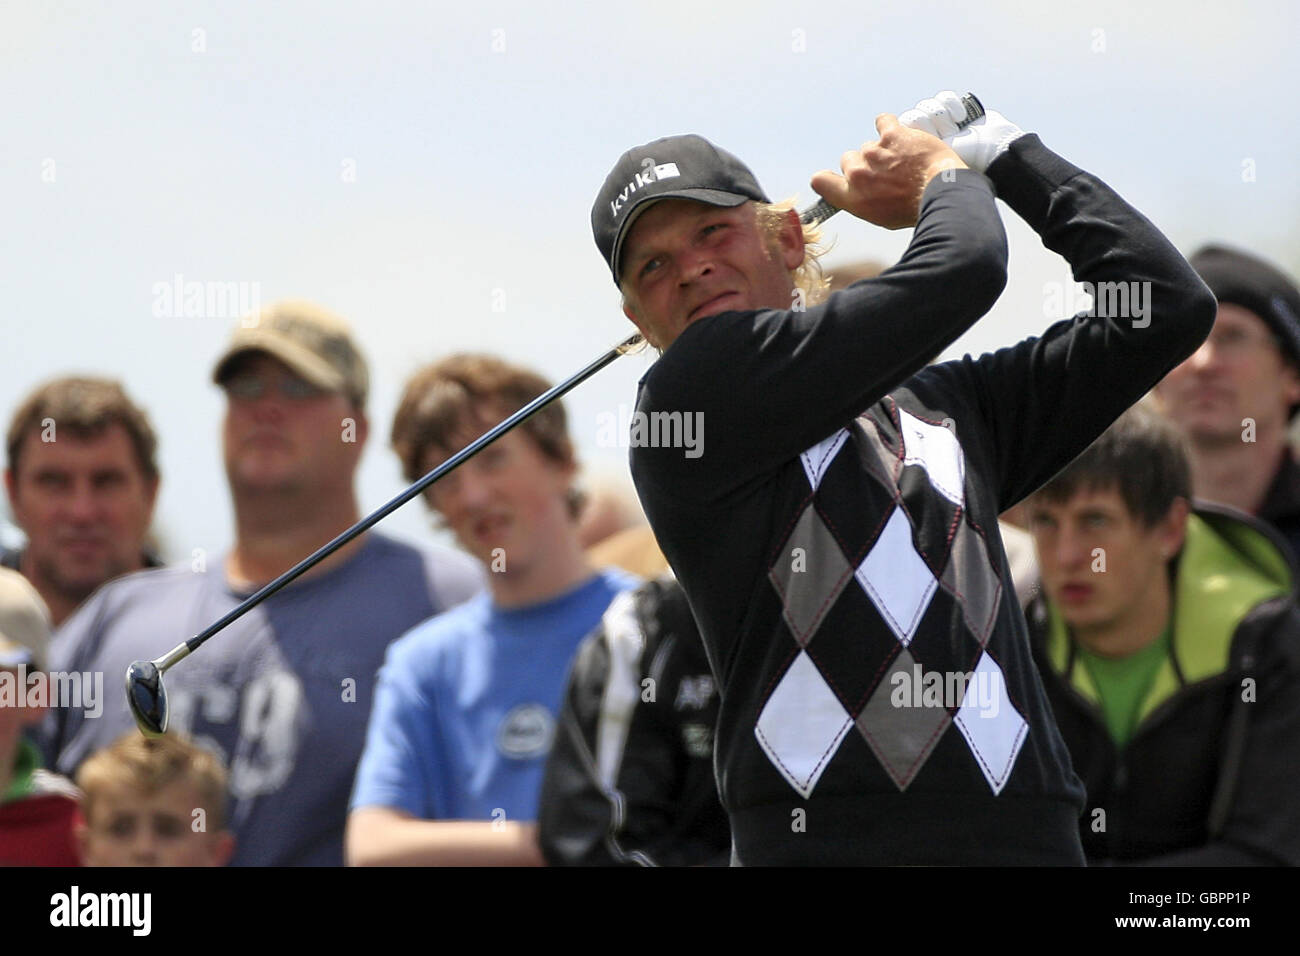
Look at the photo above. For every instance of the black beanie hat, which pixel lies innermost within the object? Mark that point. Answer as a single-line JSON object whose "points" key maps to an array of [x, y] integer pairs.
{"points": [[1244, 280]]}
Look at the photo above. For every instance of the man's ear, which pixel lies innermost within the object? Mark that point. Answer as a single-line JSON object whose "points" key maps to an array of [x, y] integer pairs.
{"points": [[151, 492], [360, 427], [789, 240], [645, 332], [1290, 384], [363, 427], [1172, 529]]}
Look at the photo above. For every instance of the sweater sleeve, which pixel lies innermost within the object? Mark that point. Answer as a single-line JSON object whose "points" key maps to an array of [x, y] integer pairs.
{"points": [[767, 385], [1046, 399]]}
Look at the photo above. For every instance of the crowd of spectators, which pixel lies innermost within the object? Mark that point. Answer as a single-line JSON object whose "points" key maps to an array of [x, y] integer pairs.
{"points": [[522, 700]]}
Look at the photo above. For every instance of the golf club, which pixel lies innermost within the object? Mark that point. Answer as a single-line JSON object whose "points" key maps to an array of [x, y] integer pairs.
{"points": [[145, 693]]}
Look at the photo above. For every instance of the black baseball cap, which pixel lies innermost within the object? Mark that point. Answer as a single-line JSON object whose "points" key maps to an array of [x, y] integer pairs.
{"points": [[675, 167], [1250, 282]]}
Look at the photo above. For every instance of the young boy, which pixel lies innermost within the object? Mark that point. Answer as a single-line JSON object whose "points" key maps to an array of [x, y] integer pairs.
{"points": [[153, 802], [466, 703], [1169, 642]]}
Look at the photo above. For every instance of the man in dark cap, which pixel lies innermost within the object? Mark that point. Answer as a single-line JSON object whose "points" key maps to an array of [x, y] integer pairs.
{"points": [[1238, 392], [835, 532]]}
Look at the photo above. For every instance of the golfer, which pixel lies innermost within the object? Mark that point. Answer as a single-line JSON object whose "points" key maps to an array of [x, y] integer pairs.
{"points": [[837, 533]]}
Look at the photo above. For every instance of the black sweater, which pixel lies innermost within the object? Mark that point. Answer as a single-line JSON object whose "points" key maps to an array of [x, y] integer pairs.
{"points": [[841, 562]]}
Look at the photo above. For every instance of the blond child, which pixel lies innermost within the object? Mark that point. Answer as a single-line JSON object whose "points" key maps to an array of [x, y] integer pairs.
{"points": [[153, 802]]}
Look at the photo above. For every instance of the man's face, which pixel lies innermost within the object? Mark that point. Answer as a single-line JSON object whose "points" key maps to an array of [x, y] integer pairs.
{"points": [[132, 828], [510, 496], [85, 505], [1098, 563], [285, 436], [685, 260], [1238, 373]]}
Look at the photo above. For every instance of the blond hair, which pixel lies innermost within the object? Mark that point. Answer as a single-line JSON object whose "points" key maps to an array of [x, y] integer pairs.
{"points": [[150, 764], [809, 277]]}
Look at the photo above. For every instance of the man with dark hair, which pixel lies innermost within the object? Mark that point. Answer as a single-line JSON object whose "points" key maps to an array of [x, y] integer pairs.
{"points": [[465, 704], [1237, 394], [1169, 642], [836, 534], [282, 698], [82, 479]]}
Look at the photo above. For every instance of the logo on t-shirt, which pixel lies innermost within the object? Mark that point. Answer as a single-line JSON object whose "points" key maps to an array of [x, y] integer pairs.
{"points": [[525, 732]]}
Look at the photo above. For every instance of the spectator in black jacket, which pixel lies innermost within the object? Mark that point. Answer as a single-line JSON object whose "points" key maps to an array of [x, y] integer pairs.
{"points": [[1169, 641], [629, 780]]}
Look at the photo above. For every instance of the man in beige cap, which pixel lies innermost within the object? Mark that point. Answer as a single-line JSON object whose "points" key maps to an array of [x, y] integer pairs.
{"points": [[37, 809], [283, 695]]}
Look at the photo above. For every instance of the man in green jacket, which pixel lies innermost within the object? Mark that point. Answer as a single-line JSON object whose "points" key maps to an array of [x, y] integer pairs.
{"points": [[1168, 639]]}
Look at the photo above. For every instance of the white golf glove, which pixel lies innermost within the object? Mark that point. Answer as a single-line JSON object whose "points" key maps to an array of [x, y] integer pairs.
{"points": [[978, 144]]}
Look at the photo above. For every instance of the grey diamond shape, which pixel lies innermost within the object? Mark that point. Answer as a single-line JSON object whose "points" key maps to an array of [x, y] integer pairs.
{"points": [[807, 594], [899, 734], [970, 578], [882, 464]]}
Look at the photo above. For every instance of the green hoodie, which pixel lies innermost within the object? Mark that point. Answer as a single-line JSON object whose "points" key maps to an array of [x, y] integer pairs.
{"points": [[1225, 569]]}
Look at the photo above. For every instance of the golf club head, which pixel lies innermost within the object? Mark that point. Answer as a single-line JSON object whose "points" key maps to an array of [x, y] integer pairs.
{"points": [[147, 698]]}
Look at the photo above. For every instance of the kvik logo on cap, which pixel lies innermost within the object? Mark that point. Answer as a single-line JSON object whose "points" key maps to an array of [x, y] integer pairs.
{"points": [[650, 173]]}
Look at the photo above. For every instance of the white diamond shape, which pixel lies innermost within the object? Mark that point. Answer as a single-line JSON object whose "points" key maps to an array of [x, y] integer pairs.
{"points": [[937, 450], [818, 458], [801, 725], [898, 582], [993, 728]]}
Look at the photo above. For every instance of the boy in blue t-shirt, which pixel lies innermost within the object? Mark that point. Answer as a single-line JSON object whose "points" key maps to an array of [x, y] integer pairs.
{"points": [[466, 703]]}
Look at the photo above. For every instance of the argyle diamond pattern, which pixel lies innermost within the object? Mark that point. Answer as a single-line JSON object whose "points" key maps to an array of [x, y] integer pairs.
{"points": [[899, 566]]}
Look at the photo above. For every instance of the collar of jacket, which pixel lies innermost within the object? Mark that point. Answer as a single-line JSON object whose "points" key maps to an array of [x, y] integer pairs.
{"points": [[1282, 500], [1230, 563]]}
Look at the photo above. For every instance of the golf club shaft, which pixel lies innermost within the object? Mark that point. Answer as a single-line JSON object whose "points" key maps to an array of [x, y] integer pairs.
{"points": [[177, 653], [309, 562]]}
